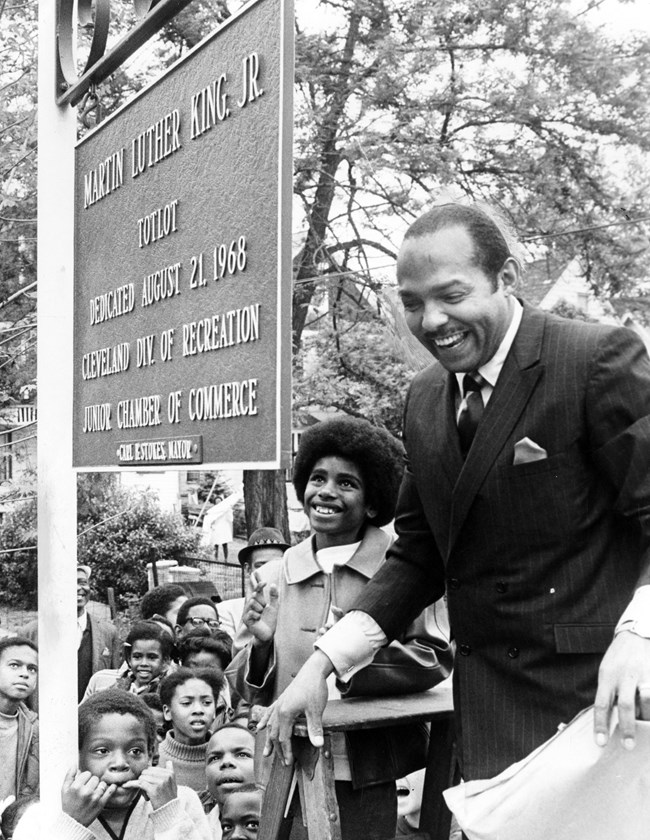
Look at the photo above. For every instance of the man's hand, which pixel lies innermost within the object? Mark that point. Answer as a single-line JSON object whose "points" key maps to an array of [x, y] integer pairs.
{"points": [[307, 694], [261, 614], [624, 679], [159, 783], [84, 796]]}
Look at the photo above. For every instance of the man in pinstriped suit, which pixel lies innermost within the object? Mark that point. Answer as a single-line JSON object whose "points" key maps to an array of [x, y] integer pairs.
{"points": [[539, 532]]}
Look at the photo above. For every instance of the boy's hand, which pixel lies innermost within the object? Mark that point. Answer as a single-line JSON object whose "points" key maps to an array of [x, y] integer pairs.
{"points": [[158, 783], [261, 615], [336, 614], [84, 796]]}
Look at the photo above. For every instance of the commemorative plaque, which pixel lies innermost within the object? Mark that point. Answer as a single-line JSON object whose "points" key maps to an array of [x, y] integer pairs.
{"points": [[182, 260]]}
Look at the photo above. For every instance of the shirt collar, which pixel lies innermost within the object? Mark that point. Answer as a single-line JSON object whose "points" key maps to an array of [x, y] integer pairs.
{"points": [[82, 621], [492, 368]]}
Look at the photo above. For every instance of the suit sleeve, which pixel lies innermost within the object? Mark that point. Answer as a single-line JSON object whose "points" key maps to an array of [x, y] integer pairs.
{"points": [[413, 575], [618, 416], [420, 659]]}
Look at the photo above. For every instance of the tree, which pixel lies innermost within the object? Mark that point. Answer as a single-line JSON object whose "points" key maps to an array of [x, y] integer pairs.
{"points": [[120, 532], [524, 104], [17, 195]]}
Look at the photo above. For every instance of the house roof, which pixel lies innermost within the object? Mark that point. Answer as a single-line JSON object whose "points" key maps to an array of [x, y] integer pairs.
{"points": [[539, 277], [637, 307]]}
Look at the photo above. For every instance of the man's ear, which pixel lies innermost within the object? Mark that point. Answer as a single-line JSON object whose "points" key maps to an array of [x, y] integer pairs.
{"points": [[510, 275], [167, 714]]}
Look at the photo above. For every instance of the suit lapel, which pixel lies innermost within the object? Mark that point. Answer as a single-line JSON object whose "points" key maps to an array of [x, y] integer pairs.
{"points": [[519, 376]]}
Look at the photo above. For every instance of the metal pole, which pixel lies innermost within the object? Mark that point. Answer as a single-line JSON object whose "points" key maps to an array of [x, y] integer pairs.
{"points": [[57, 502]]}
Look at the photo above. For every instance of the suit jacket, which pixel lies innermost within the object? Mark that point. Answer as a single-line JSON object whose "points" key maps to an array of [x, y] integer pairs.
{"points": [[418, 660], [107, 647], [538, 559]]}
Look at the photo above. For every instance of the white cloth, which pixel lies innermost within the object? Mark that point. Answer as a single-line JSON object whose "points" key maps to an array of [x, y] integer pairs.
{"points": [[218, 521], [567, 789], [82, 623], [637, 614], [230, 614]]}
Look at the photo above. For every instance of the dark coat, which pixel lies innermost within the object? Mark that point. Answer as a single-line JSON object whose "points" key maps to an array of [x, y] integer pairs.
{"points": [[538, 559]]}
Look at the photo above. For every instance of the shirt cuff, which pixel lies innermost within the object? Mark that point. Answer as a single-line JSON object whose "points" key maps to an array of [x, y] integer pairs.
{"points": [[636, 617], [351, 644]]}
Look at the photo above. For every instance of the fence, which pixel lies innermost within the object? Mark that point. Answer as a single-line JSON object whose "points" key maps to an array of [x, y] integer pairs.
{"points": [[227, 577]]}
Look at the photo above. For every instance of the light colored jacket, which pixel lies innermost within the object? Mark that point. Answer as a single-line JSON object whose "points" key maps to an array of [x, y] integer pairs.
{"points": [[421, 657]]}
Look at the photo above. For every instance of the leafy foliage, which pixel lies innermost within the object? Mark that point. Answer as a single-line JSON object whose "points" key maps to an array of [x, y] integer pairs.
{"points": [[18, 581], [120, 531], [17, 194]]}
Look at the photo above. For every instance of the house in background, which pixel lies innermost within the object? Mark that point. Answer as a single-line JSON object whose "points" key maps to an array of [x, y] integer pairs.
{"points": [[550, 285]]}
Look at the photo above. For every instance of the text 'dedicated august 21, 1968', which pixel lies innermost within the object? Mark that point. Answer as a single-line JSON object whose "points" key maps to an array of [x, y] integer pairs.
{"points": [[182, 260]]}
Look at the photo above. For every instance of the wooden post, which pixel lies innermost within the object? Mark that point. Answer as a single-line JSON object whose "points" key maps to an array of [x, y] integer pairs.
{"points": [[57, 501]]}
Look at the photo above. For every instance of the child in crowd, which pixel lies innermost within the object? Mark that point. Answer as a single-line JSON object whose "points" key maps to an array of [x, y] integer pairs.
{"points": [[228, 766], [264, 544], [116, 792], [148, 651], [163, 602], [197, 612], [347, 475], [409, 803], [154, 704], [202, 649], [240, 813], [13, 813], [18, 724], [189, 700]]}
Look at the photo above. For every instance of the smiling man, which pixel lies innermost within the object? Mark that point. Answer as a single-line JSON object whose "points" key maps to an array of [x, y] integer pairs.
{"points": [[526, 499]]}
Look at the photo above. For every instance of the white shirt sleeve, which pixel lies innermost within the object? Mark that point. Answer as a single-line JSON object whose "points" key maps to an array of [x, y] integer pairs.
{"points": [[636, 617], [352, 643]]}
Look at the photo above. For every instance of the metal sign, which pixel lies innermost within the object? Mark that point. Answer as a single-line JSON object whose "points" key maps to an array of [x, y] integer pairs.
{"points": [[182, 260]]}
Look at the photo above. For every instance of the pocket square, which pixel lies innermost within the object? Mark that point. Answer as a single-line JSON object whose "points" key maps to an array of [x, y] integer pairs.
{"points": [[106, 652], [527, 451]]}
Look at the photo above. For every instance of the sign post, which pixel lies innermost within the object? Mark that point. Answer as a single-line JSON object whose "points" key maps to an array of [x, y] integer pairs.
{"points": [[57, 499]]}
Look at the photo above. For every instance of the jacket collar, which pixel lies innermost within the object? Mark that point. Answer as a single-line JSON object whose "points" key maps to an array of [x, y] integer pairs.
{"points": [[300, 560]]}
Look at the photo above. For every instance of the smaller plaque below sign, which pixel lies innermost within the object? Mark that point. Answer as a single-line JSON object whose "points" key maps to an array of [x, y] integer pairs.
{"points": [[177, 450]]}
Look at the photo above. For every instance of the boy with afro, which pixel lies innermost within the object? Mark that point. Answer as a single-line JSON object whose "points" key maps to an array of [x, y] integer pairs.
{"points": [[346, 474]]}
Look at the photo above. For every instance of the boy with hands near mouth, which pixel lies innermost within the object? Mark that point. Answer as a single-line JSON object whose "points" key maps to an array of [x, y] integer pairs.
{"points": [[116, 793]]}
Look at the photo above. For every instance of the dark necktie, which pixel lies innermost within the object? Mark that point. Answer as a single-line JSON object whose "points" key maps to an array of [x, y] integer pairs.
{"points": [[472, 410]]}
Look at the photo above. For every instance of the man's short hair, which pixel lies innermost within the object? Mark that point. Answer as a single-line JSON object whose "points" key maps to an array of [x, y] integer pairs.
{"points": [[115, 701], [186, 606], [16, 641], [149, 630], [180, 676], [200, 639], [377, 454], [159, 599], [491, 248]]}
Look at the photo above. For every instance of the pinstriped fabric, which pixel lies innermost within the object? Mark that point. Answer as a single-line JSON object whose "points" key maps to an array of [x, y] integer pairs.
{"points": [[539, 559]]}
